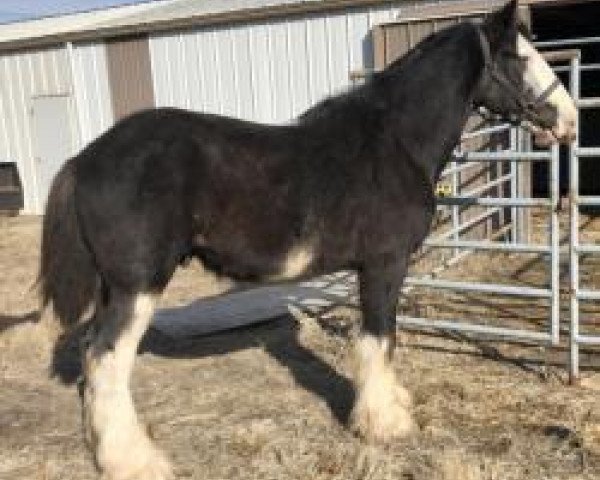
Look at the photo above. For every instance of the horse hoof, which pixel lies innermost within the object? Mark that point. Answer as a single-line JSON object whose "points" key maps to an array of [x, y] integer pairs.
{"points": [[144, 462], [156, 467], [379, 427], [384, 418]]}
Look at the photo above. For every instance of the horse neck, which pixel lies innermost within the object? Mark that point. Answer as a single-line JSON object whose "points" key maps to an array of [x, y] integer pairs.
{"points": [[431, 96]]}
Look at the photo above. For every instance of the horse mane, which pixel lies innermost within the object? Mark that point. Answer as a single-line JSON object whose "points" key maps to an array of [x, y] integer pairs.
{"points": [[372, 96]]}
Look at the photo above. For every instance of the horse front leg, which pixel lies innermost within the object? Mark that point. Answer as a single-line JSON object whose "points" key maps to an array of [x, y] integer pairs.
{"points": [[120, 444], [382, 408]]}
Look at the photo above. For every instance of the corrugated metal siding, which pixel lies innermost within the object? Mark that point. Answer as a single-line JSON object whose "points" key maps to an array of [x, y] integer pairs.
{"points": [[269, 71], [92, 91], [27, 74], [24, 75], [399, 38]]}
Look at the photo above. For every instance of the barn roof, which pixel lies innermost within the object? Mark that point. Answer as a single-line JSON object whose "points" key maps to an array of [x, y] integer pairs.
{"points": [[149, 16], [164, 15]]}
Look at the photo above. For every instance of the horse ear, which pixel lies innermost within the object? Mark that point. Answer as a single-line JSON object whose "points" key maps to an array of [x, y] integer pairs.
{"points": [[501, 25]]}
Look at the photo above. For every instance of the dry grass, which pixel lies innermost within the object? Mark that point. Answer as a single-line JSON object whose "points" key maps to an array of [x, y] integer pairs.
{"points": [[269, 401]]}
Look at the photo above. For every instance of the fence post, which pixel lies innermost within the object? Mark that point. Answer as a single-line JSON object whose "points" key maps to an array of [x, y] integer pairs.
{"points": [[574, 233]]}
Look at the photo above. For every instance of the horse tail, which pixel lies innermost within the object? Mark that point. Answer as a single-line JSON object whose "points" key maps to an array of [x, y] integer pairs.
{"points": [[68, 277]]}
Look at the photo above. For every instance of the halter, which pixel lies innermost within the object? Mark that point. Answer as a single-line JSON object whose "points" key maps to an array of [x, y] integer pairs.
{"points": [[502, 81]]}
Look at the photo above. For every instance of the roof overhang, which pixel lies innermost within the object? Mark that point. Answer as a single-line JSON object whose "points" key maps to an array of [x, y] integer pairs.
{"points": [[168, 15]]}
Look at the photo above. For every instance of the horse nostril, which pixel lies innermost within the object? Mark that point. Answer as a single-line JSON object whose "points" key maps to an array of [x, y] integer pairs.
{"points": [[568, 133], [572, 134], [570, 127]]}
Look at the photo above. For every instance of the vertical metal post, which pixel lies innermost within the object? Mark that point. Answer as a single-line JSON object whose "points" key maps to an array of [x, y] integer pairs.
{"points": [[554, 245], [513, 186], [574, 232], [525, 188], [76, 87], [455, 212]]}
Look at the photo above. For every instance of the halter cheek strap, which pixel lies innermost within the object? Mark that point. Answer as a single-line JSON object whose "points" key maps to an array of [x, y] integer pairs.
{"points": [[547, 92], [502, 81]]}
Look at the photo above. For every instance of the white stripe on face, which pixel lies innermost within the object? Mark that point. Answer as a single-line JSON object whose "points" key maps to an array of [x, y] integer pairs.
{"points": [[538, 76]]}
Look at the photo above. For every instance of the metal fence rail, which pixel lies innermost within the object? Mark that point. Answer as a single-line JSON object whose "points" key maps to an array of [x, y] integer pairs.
{"points": [[575, 249], [453, 240]]}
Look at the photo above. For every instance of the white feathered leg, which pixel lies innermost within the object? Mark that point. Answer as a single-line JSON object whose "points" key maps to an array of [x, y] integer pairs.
{"points": [[120, 443]]}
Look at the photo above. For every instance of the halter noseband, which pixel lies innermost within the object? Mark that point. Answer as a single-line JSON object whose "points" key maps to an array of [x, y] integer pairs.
{"points": [[502, 81]]}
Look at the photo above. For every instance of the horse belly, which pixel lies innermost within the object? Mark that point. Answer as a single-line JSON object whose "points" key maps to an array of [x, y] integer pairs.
{"points": [[246, 263]]}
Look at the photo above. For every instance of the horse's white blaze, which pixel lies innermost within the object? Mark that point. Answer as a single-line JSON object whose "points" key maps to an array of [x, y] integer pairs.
{"points": [[122, 447], [382, 407], [538, 76]]}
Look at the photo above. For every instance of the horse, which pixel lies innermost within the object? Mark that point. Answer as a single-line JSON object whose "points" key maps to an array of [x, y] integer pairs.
{"points": [[347, 185]]}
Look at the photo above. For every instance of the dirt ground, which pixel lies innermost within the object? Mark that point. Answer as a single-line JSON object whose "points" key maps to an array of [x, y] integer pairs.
{"points": [[270, 401]]}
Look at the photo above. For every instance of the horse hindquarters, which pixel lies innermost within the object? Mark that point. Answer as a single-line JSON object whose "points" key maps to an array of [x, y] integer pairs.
{"points": [[123, 232]]}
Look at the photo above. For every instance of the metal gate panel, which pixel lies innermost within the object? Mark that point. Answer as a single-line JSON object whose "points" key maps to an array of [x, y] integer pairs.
{"points": [[578, 293]]}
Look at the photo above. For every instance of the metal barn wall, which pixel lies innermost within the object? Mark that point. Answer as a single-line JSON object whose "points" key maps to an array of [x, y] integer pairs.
{"points": [[393, 41], [27, 74], [92, 91], [130, 75], [22, 76], [267, 71]]}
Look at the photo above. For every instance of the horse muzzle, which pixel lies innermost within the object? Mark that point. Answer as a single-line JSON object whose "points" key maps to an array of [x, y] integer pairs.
{"points": [[564, 132]]}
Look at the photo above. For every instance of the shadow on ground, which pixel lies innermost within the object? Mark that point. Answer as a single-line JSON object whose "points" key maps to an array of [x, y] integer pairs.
{"points": [[10, 321], [279, 337]]}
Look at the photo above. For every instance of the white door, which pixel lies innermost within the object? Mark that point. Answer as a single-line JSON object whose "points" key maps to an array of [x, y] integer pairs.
{"points": [[51, 124]]}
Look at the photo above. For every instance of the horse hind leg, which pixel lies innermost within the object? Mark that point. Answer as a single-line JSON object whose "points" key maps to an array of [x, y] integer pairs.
{"points": [[120, 444]]}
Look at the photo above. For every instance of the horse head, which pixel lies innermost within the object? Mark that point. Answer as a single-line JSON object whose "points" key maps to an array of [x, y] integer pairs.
{"points": [[518, 85]]}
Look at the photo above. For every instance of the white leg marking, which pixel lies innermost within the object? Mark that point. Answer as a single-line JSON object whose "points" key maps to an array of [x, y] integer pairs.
{"points": [[296, 263], [121, 445], [381, 412]]}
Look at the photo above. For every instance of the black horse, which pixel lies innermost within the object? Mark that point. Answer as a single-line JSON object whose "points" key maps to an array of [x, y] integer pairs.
{"points": [[348, 185]]}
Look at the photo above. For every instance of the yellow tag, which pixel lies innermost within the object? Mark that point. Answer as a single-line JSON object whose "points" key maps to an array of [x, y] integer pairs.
{"points": [[443, 190]]}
